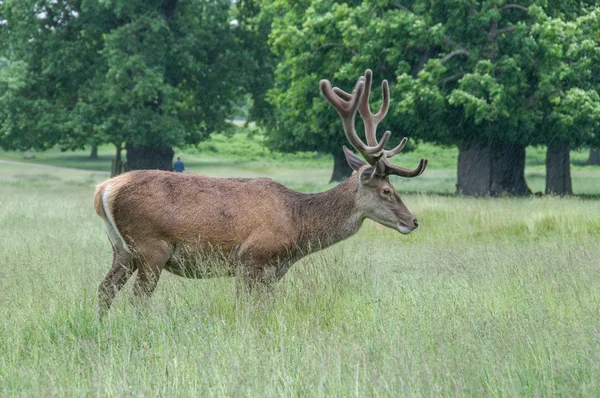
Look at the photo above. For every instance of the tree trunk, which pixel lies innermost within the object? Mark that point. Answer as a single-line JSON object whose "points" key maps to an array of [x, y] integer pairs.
{"points": [[94, 152], [341, 169], [508, 170], [558, 170], [149, 158], [485, 170], [474, 170], [117, 166], [118, 152], [594, 159]]}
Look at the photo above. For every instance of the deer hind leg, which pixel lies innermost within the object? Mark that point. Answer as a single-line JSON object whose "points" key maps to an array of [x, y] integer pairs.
{"points": [[151, 259], [122, 268]]}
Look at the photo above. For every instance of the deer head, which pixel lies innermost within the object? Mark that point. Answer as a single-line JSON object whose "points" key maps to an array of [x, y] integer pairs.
{"points": [[376, 197]]}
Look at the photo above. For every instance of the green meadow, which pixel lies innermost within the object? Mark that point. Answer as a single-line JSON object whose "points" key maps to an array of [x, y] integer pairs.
{"points": [[244, 154], [489, 297]]}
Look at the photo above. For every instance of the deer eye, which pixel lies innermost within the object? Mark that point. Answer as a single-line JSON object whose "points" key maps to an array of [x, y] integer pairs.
{"points": [[386, 191]]}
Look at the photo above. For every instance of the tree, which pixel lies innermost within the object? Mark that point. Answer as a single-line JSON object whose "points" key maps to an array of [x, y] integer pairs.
{"points": [[94, 152], [253, 25], [461, 74], [309, 39], [591, 32], [149, 74], [424, 49], [565, 101], [475, 75], [35, 91], [594, 159]]}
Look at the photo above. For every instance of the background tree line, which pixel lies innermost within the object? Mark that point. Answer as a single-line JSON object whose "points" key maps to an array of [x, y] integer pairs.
{"points": [[144, 74], [490, 77]]}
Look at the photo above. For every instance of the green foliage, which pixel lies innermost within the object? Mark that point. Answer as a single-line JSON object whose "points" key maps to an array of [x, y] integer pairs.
{"points": [[248, 144], [459, 71], [313, 41], [18, 129], [566, 100], [254, 26], [149, 73]]}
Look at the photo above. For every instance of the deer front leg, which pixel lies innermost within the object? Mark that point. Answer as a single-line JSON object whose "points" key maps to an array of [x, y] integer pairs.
{"points": [[263, 261]]}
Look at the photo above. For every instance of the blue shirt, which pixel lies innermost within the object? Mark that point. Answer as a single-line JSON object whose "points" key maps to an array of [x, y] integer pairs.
{"points": [[179, 167]]}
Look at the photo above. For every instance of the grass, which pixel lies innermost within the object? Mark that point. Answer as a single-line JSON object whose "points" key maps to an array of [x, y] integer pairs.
{"points": [[489, 297], [245, 155]]}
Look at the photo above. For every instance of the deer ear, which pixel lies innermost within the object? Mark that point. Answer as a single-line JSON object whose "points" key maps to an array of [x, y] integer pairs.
{"points": [[366, 175], [370, 173], [353, 161]]}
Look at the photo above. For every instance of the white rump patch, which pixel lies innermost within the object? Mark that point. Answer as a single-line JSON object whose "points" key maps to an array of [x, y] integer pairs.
{"points": [[110, 227]]}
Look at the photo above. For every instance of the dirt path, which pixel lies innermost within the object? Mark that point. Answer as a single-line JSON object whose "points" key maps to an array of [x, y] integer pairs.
{"points": [[47, 166]]}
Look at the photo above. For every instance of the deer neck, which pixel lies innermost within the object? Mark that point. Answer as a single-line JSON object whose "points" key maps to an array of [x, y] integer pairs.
{"points": [[329, 217]]}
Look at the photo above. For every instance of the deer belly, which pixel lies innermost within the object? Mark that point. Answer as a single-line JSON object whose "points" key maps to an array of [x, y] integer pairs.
{"points": [[198, 263]]}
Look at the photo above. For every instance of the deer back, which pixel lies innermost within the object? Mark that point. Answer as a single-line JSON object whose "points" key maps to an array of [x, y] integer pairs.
{"points": [[187, 208]]}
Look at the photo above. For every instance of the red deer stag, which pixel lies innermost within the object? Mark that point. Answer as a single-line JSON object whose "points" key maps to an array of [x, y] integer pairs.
{"points": [[159, 220]]}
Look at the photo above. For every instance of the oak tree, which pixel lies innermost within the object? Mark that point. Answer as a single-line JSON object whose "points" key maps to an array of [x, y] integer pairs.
{"points": [[146, 74]]}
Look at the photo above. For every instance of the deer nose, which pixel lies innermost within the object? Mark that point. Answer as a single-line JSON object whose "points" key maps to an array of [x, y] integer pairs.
{"points": [[416, 223]]}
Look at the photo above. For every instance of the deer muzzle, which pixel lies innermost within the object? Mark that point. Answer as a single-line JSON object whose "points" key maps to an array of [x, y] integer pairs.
{"points": [[405, 230]]}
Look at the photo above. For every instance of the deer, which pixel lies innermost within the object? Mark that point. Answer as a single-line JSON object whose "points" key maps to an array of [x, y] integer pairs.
{"points": [[249, 228]]}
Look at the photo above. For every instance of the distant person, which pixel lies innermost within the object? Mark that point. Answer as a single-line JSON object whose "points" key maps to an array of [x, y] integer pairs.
{"points": [[179, 166]]}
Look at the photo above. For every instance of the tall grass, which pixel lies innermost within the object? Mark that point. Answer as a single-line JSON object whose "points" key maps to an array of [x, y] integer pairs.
{"points": [[488, 297]]}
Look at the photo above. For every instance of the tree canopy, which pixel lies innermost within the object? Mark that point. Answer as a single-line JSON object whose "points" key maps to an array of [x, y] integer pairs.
{"points": [[490, 76], [151, 74]]}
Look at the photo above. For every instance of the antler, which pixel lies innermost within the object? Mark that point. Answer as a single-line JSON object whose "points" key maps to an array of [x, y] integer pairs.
{"points": [[347, 104]]}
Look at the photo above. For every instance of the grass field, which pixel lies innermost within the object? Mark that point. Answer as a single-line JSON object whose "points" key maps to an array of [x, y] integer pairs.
{"points": [[246, 155], [487, 298]]}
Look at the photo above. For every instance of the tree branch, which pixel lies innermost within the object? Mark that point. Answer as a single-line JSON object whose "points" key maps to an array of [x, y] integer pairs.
{"points": [[495, 32], [447, 40], [460, 51], [422, 62], [452, 78], [169, 7], [400, 6], [505, 30], [515, 6], [570, 40]]}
